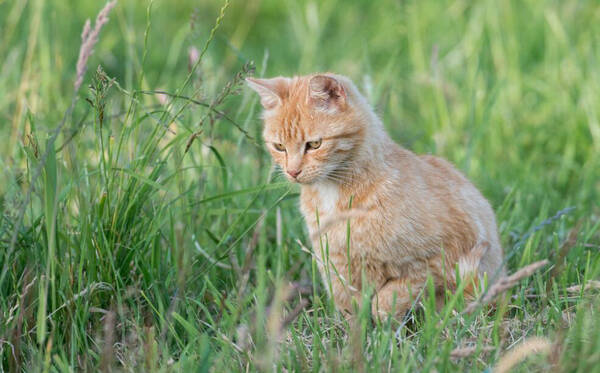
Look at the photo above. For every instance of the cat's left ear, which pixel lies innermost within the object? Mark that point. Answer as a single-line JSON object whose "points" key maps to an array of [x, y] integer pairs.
{"points": [[327, 93], [271, 91]]}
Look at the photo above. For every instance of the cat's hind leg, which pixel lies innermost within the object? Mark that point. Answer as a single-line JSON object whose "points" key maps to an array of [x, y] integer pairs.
{"points": [[394, 297]]}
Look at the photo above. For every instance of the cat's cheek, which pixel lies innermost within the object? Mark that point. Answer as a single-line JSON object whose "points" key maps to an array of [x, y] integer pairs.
{"points": [[278, 159], [275, 155], [318, 155]]}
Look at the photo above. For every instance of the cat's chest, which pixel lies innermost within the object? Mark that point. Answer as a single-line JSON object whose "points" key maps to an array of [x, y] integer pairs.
{"points": [[319, 202]]}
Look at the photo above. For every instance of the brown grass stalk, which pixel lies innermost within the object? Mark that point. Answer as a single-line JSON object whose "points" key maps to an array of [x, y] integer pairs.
{"points": [[462, 352], [89, 38], [530, 346], [591, 285], [107, 354], [505, 283]]}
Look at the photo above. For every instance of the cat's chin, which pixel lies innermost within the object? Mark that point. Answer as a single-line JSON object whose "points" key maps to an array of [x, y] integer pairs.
{"points": [[292, 180], [296, 181], [301, 181]]}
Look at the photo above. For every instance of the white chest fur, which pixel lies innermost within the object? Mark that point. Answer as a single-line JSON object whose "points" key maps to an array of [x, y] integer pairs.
{"points": [[328, 196]]}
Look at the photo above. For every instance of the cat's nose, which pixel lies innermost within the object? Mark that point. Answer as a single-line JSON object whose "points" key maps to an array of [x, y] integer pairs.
{"points": [[294, 173]]}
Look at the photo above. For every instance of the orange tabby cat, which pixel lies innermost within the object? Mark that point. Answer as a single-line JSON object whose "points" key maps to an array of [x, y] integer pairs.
{"points": [[410, 216]]}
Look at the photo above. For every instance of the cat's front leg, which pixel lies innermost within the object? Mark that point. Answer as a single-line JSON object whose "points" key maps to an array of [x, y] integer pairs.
{"points": [[341, 285]]}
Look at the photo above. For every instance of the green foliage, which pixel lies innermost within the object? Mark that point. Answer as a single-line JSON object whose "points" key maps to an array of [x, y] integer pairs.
{"points": [[158, 238]]}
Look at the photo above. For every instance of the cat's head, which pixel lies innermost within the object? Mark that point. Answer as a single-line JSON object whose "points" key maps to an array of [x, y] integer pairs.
{"points": [[313, 125]]}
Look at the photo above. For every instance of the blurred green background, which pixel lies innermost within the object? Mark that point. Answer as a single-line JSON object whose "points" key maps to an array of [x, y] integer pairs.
{"points": [[482, 83], [509, 91]]}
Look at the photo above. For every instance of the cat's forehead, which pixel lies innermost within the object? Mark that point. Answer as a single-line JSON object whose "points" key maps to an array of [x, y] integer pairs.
{"points": [[291, 122], [294, 118]]}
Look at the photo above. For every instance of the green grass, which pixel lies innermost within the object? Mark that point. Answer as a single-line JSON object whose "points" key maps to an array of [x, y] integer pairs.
{"points": [[157, 237]]}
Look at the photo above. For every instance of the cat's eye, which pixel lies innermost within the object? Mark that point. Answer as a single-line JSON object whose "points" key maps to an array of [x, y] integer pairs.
{"points": [[279, 147], [313, 144]]}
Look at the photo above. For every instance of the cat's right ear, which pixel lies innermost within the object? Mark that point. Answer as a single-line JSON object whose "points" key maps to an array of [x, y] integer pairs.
{"points": [[271, 91]]}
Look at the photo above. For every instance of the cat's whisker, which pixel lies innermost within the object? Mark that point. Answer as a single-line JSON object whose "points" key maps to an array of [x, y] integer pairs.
{"points": [[337, 179]]}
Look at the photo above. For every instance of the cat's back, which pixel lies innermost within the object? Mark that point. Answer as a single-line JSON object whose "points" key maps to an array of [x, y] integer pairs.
{"points": [[440, 170], [445, 180], [439, 175]]}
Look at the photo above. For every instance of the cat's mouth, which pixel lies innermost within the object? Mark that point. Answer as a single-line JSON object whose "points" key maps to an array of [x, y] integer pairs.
{"points": [[296, 180], [300, 178]]}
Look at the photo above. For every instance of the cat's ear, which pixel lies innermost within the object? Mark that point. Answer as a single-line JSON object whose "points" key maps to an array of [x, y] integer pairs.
{"points": [[327, 93], [271, 91]]}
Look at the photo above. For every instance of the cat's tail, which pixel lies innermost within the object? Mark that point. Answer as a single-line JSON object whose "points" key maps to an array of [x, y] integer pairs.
{"points": [[468, 269]]}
